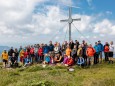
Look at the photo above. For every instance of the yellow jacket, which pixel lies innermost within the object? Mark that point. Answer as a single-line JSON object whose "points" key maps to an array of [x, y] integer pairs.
{"points": [[5, 55], [21, 53]]}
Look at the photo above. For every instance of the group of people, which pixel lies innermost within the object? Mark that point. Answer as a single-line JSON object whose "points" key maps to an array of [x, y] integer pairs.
{"points": [[68, 54]]}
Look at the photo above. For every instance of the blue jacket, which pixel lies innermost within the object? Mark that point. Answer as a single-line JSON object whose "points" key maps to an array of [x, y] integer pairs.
{"points": [[46, 49], [47, 59], [96, 47], [80, 61], [101, 48], [51, 47]]}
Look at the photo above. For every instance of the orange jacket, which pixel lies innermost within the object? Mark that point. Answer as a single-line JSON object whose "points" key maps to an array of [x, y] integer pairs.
{"points": [[68, 52], [5, 56], [90, 51]]}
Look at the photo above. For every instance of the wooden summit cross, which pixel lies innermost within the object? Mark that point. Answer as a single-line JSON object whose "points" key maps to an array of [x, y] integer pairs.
{"points": [[70, 20]]}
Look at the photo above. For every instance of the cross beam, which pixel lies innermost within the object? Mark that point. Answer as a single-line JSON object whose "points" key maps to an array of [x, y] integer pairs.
{"points": [[70, 20]]}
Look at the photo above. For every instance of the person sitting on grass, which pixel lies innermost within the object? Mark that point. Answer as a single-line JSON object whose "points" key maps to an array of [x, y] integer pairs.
{"points": [[51, 59], [70, 61], [46, 59], [27, 61], [58, 58], [65, 59], [5, 58], [13, 61]]}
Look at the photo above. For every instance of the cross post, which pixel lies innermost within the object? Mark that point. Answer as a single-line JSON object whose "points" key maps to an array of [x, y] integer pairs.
{"points": [[70, 20]]}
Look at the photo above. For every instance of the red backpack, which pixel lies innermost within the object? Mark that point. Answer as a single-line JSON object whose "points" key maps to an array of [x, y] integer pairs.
{"points": [[106, 48]]}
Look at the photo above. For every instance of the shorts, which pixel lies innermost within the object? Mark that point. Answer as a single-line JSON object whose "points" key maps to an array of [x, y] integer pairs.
{"points": [[32, 55], [91, 59], [5, 61], [110, 54]]}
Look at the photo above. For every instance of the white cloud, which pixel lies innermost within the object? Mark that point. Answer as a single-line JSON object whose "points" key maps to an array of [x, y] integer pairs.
{"points": [[113, 30], [104, 27], [20, 24], [84, 24]]}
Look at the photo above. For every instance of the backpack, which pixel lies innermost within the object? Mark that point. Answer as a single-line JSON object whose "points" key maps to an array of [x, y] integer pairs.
{"points": [[79, 52], [106, 48]]}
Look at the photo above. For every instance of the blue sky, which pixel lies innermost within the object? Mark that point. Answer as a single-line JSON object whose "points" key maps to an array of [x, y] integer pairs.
{"points": [[24, 22]]}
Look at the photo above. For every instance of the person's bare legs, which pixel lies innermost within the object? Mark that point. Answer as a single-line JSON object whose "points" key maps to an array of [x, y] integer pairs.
{"points": [[111, 60], [4, 65]]}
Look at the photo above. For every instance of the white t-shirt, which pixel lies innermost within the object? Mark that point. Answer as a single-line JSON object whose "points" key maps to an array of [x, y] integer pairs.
{"points": [[111, 48]]}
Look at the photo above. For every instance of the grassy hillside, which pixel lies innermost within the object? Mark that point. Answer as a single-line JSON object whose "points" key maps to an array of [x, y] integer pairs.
{"points": [[98, 75]]}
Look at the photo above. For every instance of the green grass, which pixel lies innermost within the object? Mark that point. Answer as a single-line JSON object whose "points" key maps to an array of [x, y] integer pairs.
{"points": [[36, 75]]}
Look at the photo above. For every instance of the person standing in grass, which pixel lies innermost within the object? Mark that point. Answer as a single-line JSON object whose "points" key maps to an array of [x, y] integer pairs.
{"points": [[71, 44], [51, 47], [96, 55], [36, 52], [56, 48], [77, 44], [16, 54], [45, 49], [84, 48], [106, 51], [32, 54], [10, 52], [40, 53], [74, 54], [80, 61], [111, 51], [90, 53], [25, 56], [5, 58], [22, 56], [101, 48]]}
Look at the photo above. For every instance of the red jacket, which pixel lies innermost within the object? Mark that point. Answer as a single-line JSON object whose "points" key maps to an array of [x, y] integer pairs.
{"points": [[40, 51], [70, 61], [106, 48], [32, 51], [25, 54]]}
